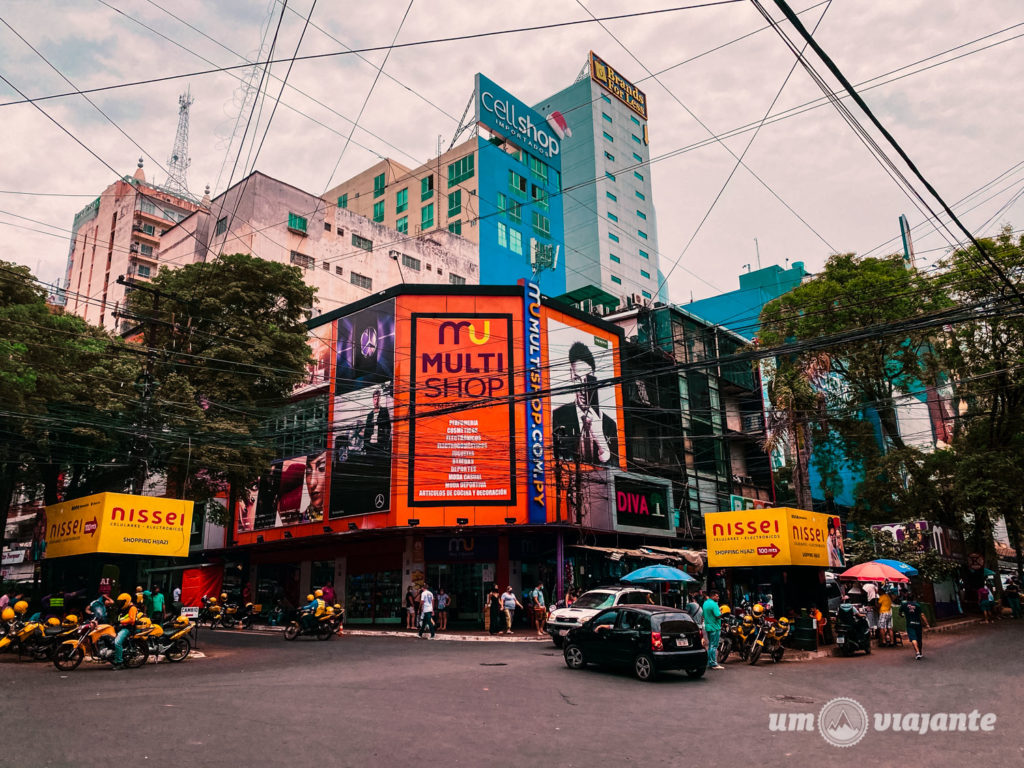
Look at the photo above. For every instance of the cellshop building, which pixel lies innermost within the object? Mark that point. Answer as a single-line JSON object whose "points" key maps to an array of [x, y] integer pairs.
{"points": [[460, 436]]}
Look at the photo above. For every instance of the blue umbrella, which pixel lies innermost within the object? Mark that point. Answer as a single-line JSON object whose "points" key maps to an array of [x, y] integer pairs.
{"points": [[906, 570], [658, 573]]}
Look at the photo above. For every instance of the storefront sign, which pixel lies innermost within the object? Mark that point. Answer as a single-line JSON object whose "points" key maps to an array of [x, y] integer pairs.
{"points": [[536, 502], [642, 504], [618, 86], [462, 415], [119, 523], [447, 549], [13, 557], [776, 536], [502, 112]]}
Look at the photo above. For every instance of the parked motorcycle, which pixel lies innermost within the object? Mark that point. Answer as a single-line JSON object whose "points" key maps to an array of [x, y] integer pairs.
{"points": [[769, 639], [169, 640], [210, 612], [26, 638], [242, 617], [852, 631], [730, 640], [55, 632], [321, 627], [98, 641]]}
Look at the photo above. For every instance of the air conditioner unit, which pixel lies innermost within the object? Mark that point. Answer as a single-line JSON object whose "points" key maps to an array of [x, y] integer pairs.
{"points": [[587, 305], [636, 300]]}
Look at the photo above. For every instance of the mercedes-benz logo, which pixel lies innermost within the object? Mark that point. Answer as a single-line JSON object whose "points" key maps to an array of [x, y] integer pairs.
{"points": [[842, 722], [378, 501], [368, 342]]}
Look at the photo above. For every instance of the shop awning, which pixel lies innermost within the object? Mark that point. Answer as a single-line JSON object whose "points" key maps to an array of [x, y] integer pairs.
{"points": [[618, 553], [696, 558]]}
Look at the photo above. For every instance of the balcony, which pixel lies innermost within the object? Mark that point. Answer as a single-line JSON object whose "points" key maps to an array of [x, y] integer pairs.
{"points": [[138, 231]]}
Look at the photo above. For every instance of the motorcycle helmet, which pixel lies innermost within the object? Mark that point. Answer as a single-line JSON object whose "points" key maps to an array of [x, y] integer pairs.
{"points": [[8, 614], [748, 620], [21, 607], [181, 621], [144, 622], [784, 622], [71, 620], [53, 621], [157, 631], [758, 610], [224, 596], [319, 593], [337, 607], [124, 599], [310, 598], [248, 606], [725, 610], [213, 601]]}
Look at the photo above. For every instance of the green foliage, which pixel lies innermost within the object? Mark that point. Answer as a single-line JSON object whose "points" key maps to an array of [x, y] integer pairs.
{"points": [[880, 545]]}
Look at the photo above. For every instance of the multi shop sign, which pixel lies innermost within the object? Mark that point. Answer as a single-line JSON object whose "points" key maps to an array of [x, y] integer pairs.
{"points": [[619, 87], [502, 112]]}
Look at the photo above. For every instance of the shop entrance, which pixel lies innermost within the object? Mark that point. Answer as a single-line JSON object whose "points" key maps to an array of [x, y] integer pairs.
{"points": [[277, 583], [467, 585]]}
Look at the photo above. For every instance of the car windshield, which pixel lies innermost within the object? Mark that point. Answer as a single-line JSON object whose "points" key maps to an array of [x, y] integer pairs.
{"points": [[594, 600], [674, 624]]}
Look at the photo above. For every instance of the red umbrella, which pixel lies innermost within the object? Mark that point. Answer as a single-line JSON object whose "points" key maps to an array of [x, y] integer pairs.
{"points": [[873, 572]]}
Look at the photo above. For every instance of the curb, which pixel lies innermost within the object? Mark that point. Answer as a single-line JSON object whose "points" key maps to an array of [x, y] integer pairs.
{"points": [[396, 633]]}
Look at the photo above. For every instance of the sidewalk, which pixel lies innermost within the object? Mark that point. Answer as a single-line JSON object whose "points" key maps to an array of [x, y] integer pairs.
{"points": [[523, 636]]}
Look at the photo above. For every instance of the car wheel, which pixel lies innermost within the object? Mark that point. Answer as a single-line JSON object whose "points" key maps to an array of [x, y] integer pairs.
{"points": [[574, 657], [291, 631], [696, 673], [558, 640], [643, 668]]}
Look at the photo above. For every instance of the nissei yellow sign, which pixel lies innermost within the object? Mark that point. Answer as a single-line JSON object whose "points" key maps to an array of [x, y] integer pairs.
{"points": [[777, 536], [119, 523]]}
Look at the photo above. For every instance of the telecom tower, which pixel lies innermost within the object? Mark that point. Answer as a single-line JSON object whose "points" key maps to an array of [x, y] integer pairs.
{"points": [[179, 161]]}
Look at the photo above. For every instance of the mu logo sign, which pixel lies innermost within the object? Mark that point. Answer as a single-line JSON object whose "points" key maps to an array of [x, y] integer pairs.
{"points": [[457, 328]]}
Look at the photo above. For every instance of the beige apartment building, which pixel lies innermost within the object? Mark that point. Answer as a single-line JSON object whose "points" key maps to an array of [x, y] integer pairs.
{"points": [[440, 195], [344, 255], [117, 234]]}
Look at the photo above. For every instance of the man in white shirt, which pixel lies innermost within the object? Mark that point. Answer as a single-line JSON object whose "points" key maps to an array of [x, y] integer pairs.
{"points": [[871, 604], [427, 609], [176, 600]]}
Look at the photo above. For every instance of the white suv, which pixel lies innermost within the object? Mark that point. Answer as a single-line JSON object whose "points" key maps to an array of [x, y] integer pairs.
{"points": [[561, 620]]}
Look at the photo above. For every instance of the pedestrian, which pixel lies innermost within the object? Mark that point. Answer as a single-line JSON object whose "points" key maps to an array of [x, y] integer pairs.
{"points": [[494, 617], [1012, 594], [871, 605], [99, 608], [694, 608], [443, 600], [329, 595], [713, 628], [540, 611], [985, 602], [247, 594], [885, 618], [5, 599], [410, 608], [427, 608], [911, 611], [157, 599], [176, 601], [509, 603]]}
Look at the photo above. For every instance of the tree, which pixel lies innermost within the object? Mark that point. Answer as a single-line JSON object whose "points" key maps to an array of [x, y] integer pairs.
{"points": [[61, 389], [861, 375], [229, 345], [792, 398]]}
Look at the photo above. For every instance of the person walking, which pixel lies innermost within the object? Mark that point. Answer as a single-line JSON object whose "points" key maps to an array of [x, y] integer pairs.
{"points": [[713, 627], [494, 616], [911, 611], [1012, 594], [540, 611], [443, 601], [871, 605], [509, 603], [176, 601], [885, 617], [410, 608], [427, 609], [985, 602], [158, 599]]}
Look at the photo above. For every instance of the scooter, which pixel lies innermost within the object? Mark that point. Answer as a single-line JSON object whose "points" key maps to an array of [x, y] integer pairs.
{"points": [[852, 631]]}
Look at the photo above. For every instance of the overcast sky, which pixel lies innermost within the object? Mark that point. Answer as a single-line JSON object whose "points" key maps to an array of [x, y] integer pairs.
{"points": [[959, 121]]}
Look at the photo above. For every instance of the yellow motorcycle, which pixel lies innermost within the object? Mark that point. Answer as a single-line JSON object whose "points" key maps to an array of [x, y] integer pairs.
{"points": [[321, 627], [769, 640], [21, 636], [98, 641], [169, 640]]}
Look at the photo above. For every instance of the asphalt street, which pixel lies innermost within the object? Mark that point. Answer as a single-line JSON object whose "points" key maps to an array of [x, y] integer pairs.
{"points": [[256, 700]]}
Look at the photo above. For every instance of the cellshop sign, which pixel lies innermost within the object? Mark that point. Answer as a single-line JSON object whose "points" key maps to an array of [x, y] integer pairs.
{"points": [[506, 115]]}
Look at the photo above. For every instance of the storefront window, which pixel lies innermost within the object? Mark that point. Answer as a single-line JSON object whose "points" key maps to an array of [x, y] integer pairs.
{"points": [[321, 573], [374, 598]]}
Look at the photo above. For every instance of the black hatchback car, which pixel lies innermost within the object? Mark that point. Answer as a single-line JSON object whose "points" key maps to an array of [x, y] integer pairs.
{"points": [[646, 638]]}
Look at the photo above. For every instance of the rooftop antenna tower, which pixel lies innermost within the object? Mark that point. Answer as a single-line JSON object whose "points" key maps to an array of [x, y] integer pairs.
{"points": [[179, 161]]}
